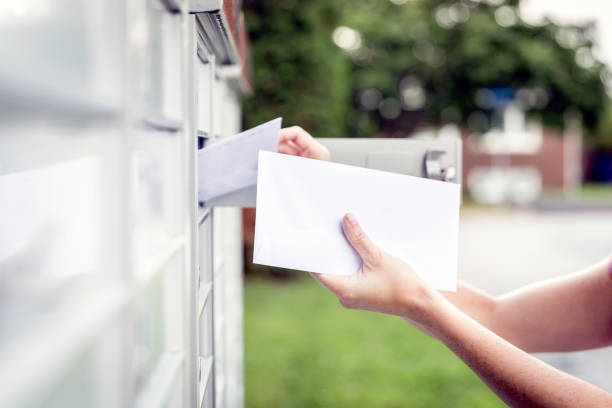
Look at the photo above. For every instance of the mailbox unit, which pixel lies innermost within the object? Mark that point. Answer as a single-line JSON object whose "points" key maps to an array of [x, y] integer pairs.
{"points": [[118, 288]]}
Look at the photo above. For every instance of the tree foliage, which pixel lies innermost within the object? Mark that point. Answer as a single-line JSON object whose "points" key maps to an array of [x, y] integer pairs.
{"points": [[405, 64], [298, 72]]}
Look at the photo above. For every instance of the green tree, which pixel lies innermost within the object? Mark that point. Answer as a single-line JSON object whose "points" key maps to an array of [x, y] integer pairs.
{"points": [[441, 60], [402, 64], [298, 71]]}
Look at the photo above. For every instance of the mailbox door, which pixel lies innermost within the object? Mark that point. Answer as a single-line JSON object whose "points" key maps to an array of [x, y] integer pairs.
{"points": [[438, 158]]}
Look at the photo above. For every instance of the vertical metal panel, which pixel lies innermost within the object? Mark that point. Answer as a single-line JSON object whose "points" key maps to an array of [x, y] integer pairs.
{"points": [[206, 291], [192, 255]]}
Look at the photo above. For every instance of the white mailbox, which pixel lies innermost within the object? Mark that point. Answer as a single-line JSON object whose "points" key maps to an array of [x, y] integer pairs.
{"points": [[118, 290], [434, 158]]}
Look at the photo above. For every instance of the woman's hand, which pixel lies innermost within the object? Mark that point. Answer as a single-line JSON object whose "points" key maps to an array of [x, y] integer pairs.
{"points": [[297, 142], [388, 285], [383, 284]]}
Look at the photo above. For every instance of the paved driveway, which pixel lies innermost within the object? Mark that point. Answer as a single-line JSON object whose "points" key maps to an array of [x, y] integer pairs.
{"points": [[500, 250]]}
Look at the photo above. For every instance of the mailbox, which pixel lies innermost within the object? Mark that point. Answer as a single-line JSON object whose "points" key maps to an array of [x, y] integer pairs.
{"points": [[106, 261], [438, 159], [112, 274]]}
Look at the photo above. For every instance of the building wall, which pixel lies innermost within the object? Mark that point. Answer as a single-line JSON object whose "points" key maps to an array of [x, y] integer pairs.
{"points": [[549, 160]]}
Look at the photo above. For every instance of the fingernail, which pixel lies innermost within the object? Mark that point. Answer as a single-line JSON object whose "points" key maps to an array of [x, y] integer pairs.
{"points": [[351, 220]]}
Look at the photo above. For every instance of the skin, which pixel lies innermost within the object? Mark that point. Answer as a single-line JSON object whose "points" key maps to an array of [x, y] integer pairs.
{"points": [[297, 142], [569, 313], [492, 335]]}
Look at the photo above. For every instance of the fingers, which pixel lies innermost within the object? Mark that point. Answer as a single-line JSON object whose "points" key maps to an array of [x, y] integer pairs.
{"points": [[370, 254], [286, 148], [297, 135], [301, 144]]}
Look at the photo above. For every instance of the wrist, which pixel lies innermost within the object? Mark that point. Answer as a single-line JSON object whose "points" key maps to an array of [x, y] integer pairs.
{"points": [[425, 308], [443, 323]]}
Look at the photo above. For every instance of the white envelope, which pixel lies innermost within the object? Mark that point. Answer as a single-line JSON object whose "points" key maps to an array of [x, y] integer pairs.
{"points": [[231, 164], [301, 202]]}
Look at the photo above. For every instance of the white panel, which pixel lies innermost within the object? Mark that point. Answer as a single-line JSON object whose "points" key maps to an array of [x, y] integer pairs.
{"points": [[49, 228], [205, 251], [78, 320], [50, 236], [203, 73], [156, 43], [97, 240], [229, 389], [205, 382], [156, 191], [164, 386], [233, 316], [64, 52], [76, 387], [205, 327], [148, 329]]}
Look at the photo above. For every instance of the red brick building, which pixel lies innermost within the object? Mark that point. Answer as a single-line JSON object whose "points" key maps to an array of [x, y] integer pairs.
{"points": [[554, 164]]}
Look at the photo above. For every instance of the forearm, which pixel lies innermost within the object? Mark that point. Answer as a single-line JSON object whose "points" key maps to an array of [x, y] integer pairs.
{"points": [[386, 284], [515, 376], [483, 308], [573, 312], [473, 302]]}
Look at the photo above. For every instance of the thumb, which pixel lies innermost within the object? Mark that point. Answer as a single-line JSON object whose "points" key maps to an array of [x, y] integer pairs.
{"points": [[331, 282], [370, 254]]}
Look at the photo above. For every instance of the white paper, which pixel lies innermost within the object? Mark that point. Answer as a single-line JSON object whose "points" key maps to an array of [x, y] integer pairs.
{"points": [[301, 202], [231, 164]]}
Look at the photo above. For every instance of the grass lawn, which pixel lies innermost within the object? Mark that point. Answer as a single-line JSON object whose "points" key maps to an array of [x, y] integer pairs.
{"points": [[304, 350], [597, 192]]}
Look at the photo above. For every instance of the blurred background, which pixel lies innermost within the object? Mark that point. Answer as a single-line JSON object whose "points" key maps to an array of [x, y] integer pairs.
{"points": [[526, 85]]}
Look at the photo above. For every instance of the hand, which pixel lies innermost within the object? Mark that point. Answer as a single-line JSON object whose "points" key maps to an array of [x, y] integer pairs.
{"points": [[383, 284], [297, 142]]}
